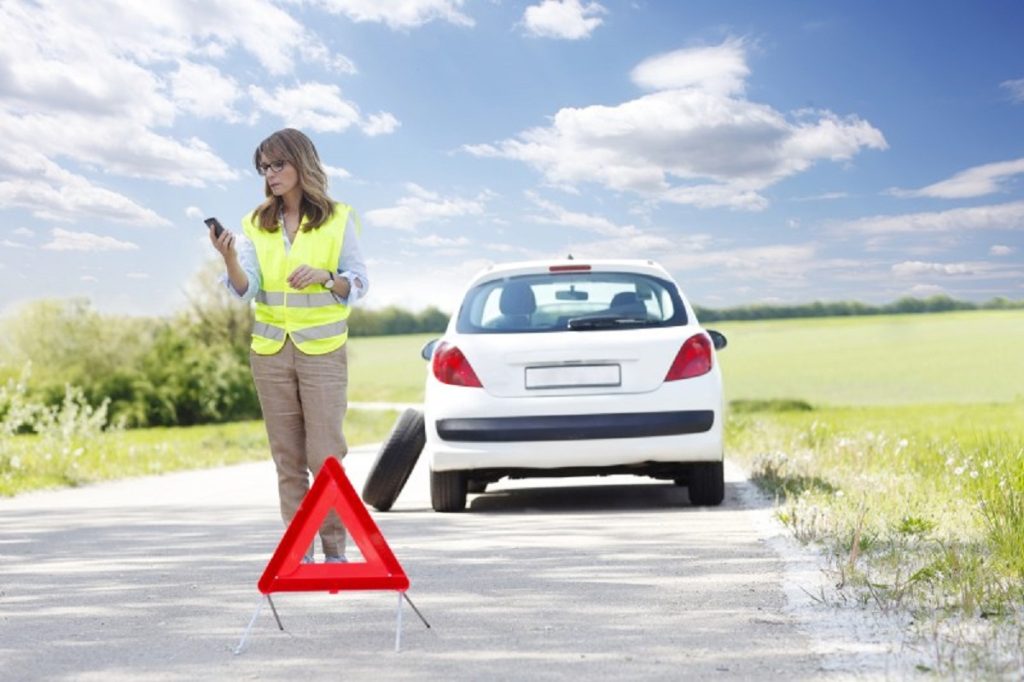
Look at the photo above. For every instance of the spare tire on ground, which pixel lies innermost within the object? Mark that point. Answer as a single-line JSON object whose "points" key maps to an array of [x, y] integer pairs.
{"points": [[395, 461]]}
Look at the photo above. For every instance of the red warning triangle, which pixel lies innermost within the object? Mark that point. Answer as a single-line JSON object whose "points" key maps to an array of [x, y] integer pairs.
{"points": [[285, 571]]}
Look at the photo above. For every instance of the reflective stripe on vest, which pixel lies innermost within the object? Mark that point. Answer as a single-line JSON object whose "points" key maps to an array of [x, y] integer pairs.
{"points": [[268, 331], [324, 331], [296, 300]]}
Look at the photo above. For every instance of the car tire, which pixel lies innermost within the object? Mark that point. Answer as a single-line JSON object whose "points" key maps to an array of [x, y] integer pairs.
{"points": [[707, 484], [395, 461], [448, 491]]}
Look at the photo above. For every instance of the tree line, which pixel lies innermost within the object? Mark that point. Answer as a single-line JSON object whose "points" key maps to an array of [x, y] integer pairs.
{"points": [[903, 306], [193, 367]]}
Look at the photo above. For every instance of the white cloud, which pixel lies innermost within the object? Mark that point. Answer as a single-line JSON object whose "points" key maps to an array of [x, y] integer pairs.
{"points": [[35, 183], [88, 278], [137, 275], [194, 213], [721, 70], [688, 145], [1001, 250], [24, 232], [973, 182], [98, 82], [7, 243], [916, 268], [1015, 88], [437, 241], [380, 124], [202, 90], [315, 106], [773, 260], [925, 290], [628, 246], [422, 206], [398, 14], [63, 240], [566, 19], [1009, 216], [826, 196], [319, 107], [558, 215], [337, 172]]}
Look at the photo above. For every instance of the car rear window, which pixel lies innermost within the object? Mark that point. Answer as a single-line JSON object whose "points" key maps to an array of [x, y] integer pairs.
{"points": [[571, 301]]}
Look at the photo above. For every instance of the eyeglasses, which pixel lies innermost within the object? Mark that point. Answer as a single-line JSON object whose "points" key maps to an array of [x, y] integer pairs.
{"points": [[275, 166]]}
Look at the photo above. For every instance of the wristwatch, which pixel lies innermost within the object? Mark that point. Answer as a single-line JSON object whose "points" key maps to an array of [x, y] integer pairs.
{"points": [[329, 284]]}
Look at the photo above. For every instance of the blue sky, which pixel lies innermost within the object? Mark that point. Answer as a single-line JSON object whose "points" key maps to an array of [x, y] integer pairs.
{"points": [[762, 152]]}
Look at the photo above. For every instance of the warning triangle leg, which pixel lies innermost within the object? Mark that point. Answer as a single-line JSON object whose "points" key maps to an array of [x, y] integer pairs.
{"points": [[248, 628], [276, 617], [398, 626], [252, 621], [405, 595]]}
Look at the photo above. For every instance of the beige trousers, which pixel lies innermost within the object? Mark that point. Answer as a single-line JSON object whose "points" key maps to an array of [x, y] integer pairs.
{"points": [[304, 398]]}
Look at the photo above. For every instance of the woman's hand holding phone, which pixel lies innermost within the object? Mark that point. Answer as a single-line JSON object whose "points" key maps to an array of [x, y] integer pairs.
{"points": [[223, 240]]}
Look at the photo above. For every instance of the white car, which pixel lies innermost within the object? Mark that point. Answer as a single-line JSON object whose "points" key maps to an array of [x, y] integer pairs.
{"points": [[570, 368]]}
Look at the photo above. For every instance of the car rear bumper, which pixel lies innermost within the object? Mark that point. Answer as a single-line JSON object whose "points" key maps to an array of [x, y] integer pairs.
{"points": [[575, 427], [583, 454]]}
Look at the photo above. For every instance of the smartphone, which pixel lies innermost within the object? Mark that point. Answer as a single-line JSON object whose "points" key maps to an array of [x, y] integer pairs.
{"points": [[218, 229]]}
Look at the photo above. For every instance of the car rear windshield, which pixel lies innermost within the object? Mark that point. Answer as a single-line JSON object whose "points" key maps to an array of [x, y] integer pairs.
{"points": [[577, 302]]}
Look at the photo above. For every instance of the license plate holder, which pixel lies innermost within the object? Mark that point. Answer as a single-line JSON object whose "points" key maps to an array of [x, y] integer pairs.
{"points": [[573, 376]]}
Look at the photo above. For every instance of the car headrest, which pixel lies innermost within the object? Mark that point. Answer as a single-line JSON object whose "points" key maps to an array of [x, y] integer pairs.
{"points": [[517, 299], [624, 298]]}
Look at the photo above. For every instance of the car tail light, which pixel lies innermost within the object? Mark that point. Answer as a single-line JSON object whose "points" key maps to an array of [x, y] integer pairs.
{"points": [[452, 367], [692, 360]]}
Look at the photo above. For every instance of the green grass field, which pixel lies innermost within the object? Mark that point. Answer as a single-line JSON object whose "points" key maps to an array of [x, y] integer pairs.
{"points": [[387, 368], [962, 357]]}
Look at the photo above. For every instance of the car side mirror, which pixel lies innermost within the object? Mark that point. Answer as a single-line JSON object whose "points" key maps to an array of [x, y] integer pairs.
{"points": [[717, 338], [427, 351]]}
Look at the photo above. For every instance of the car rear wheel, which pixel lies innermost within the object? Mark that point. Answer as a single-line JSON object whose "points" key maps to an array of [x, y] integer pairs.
{"points": [[448, 491], [395, 461], [707, 484]]}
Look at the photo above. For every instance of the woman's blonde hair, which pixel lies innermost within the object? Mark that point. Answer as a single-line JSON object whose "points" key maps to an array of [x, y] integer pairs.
{"points": [[294, 147]]}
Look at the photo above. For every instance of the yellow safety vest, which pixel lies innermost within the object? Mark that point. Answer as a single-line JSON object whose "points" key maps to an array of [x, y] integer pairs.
{"points": [[312, 317]]}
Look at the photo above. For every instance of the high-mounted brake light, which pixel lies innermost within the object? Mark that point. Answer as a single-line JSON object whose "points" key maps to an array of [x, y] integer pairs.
{"points": [[569, 268], [692, 360], [451, 367]]}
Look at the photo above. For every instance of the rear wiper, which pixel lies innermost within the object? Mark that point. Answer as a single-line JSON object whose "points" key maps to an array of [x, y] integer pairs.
{"points": [[606, 322]]}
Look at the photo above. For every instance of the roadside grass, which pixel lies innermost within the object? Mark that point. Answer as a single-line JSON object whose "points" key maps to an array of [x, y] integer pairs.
{"points": [[79, 455], [919, 510], [959, 357], [387, 368]]}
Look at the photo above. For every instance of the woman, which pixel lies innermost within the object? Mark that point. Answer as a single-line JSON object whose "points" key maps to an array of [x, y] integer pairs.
{"points": [[302, 265]]}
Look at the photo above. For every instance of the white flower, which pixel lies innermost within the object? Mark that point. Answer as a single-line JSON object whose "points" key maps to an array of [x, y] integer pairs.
{"points": [[15, 462], [974, 474], [958, 471]]}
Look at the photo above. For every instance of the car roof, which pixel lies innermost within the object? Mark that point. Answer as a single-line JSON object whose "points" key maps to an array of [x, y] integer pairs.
{"points": [[532, 267]]}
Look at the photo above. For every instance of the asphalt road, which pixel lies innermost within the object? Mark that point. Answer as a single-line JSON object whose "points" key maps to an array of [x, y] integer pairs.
{"points": [[154, 579]]}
